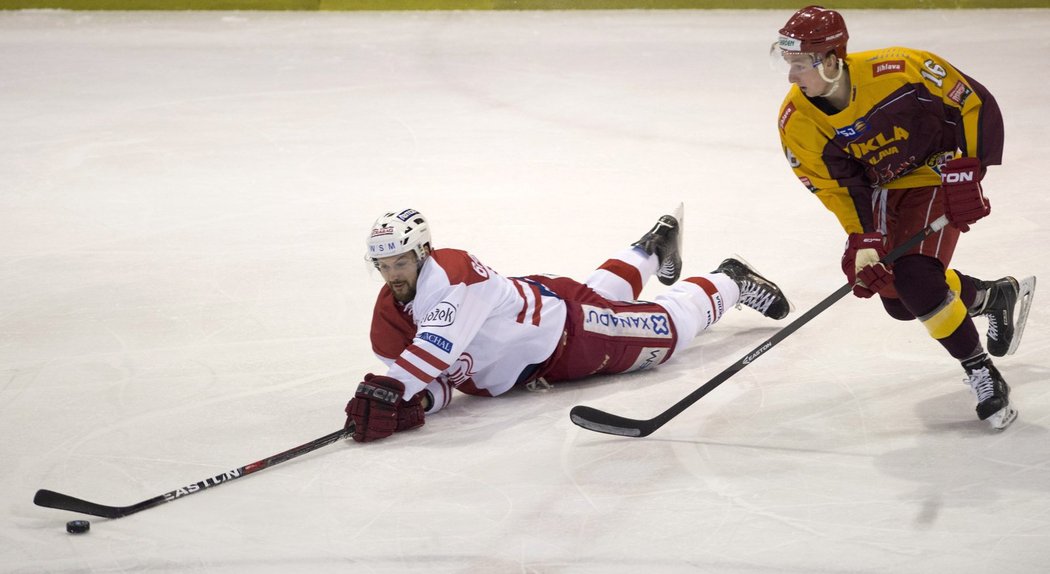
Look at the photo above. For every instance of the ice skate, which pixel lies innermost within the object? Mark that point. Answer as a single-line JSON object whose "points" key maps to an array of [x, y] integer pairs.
{"points": [[665, 241], [1006, 304], [756, 291], [992, 392]]}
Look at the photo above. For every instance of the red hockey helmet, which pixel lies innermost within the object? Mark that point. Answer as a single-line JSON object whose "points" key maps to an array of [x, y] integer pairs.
{"points": [[815, 29]]}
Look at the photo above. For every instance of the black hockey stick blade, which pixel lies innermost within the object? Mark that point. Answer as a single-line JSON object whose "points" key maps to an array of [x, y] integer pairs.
{"points": [[600, 421], [596, 420], [52, 499]]}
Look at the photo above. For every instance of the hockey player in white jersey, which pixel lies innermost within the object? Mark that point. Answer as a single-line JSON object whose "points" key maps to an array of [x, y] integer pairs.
{"points": [[444, 320]]}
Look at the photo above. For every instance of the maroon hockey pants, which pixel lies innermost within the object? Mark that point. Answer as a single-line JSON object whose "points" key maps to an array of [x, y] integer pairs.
{"points": [[919, 285], [606, 337]]}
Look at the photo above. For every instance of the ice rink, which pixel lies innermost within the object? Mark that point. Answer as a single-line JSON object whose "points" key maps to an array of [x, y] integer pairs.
{"points": [[183, 204]]}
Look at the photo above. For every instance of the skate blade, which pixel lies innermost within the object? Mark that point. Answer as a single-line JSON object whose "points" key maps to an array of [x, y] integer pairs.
{"points": [[1025, 292], [1003, 418], [679, 215]]}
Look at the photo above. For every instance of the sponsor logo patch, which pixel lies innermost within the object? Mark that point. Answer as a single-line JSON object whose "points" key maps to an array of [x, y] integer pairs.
{"points": [[789, 44], [407, 214], [442, 315], [462, 370], [786, 115], [937, 160], [625, 324], [890, 67], [436, 340], [959, 93], [855, 129], [648, 358], [378, 249]]}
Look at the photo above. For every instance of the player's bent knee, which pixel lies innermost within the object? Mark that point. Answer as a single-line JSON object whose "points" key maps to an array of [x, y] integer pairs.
{"points": [[895, 308]]}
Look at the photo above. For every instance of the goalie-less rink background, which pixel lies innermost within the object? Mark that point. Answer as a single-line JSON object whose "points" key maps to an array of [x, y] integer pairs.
{"points": [[183, 202]]}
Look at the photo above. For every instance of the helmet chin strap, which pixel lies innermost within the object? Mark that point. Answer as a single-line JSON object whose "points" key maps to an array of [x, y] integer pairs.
{"points": [[833, 81]]}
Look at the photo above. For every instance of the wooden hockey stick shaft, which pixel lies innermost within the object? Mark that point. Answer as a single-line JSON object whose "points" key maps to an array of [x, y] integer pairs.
{"points": [[600, 421]]}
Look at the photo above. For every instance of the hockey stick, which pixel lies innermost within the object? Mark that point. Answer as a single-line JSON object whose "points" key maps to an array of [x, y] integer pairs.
{"points": [[61, 501], [600, 421]]}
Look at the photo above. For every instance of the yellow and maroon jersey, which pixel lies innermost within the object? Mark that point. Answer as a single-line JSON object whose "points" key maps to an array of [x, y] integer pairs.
{"points": [[909, 112]]}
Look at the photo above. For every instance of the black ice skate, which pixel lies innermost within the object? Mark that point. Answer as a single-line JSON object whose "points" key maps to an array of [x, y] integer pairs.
{"points": [[1006, 304], [665, 241], [992, 392], [756, 291]]}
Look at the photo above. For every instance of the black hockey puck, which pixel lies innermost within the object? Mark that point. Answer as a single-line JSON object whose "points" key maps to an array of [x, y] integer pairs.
{"points": [[78, 526]]}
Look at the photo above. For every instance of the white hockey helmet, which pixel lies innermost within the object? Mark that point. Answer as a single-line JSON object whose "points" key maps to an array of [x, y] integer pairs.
{"points": [[399, 232]]}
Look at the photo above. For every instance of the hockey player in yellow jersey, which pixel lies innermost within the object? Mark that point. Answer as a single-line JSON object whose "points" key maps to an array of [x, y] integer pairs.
{"points": [[889, 140]]}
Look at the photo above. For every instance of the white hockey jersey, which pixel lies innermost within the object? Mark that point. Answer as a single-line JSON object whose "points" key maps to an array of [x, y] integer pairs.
{"points": [[467, 327]]}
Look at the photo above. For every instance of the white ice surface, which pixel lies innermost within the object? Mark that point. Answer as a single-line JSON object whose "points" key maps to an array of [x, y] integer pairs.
{"points": [[183, 199]]}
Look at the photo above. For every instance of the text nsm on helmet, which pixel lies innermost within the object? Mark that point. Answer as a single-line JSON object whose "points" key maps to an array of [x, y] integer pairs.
{"points": [[399, 232], [814, 29]]}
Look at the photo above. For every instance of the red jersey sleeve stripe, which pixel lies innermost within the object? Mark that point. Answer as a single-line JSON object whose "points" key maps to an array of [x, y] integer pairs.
{"points": [[413, 370], [427, 357], [539, 304], [524, 302]]}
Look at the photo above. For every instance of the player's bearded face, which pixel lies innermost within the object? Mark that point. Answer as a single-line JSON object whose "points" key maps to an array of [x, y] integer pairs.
{"points": [[400, 272]]}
